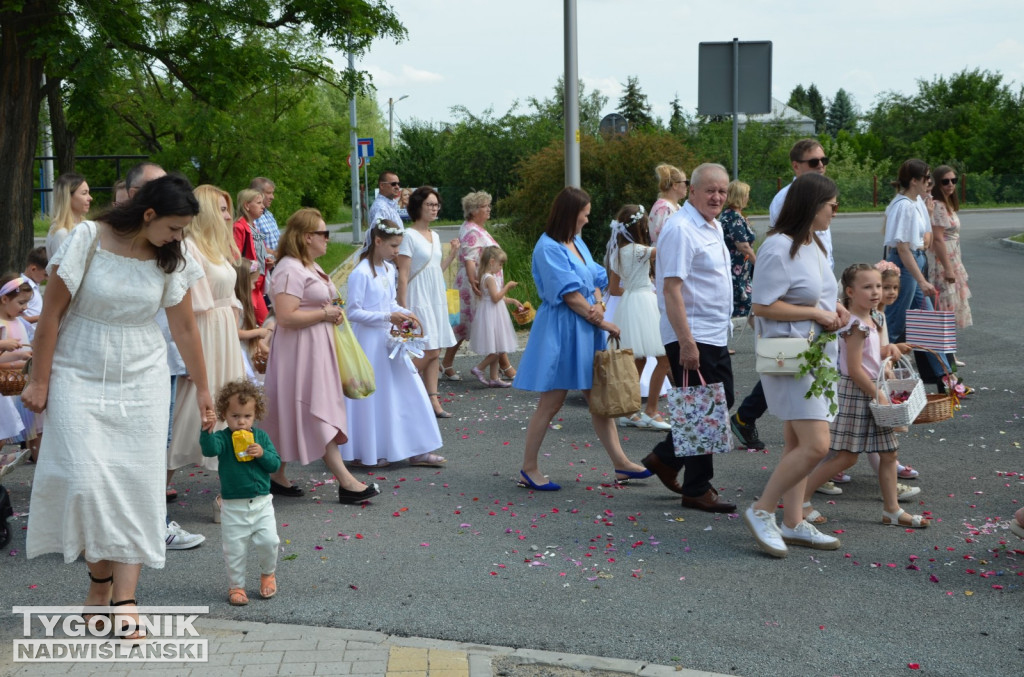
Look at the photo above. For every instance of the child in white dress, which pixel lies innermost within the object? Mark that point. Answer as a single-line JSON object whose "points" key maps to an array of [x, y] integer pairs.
{"points": [[630, 256], [491, 333], [15, 294], [396, 422]]}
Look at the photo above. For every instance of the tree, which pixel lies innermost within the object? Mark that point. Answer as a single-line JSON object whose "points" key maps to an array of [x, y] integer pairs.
{"points": [[842, 114], [809, 102], [204, 50], [678, 122], [591, 105], [634, 105]]}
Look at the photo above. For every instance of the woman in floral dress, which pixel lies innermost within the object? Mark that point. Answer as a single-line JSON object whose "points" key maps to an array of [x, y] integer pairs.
{"points": [[739, 239], [948, 274]]}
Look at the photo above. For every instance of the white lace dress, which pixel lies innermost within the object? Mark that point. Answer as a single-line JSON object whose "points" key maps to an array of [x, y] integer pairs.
{"points": [[637, 314], [99, 484]]}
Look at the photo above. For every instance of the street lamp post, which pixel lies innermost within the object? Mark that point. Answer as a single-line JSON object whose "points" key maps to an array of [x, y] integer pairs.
{"points": [[391, 117]]}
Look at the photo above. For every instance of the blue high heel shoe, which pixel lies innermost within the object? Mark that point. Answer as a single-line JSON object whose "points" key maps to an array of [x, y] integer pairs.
{"points": [[527, 483], [634, 474]]}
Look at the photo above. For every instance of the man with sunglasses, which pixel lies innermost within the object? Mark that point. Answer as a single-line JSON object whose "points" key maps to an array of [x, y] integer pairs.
{"points": [[806, 155], [385, 205]]}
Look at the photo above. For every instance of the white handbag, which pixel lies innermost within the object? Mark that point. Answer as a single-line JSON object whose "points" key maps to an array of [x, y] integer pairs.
{"points": [[779, 355]]}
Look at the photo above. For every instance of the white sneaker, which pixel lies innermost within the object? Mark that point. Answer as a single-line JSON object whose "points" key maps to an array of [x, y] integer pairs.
{"points": [[829, 488], [650, 422], [179, 539], [766, 531], [906, 491], [806, 535]]}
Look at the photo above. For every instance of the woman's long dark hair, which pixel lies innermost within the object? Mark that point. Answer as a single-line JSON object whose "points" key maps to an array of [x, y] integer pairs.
{"points": [[565, 210], [805, 197], [952, 202], [169, 195]]}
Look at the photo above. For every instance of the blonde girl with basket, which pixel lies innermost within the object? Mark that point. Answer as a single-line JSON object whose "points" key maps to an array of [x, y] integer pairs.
{"points": [[491, 333], [854, 430]]}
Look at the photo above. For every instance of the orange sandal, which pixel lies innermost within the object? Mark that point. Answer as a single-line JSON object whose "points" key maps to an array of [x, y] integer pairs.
{"points": [[237, 597], [268, 586]]}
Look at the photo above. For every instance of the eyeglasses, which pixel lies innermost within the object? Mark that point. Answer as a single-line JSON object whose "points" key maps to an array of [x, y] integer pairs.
{"points": [[815, 161], [834, 206], [432, 205], [393, 184], [684, 181], [949, 182], [323, 233]]}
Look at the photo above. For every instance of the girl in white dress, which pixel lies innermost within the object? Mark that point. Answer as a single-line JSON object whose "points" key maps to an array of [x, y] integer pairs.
{"points": [[421, 286], [15, 293], [491, 333], [396, 421], [636, 315]]}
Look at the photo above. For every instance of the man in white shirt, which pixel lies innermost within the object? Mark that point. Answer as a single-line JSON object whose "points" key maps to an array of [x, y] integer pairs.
{"points": [[805, 156], [385, 205], [694, 286]]}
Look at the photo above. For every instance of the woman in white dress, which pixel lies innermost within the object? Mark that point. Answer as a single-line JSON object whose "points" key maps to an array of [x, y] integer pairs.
{"points": [[102, 377], [396, 421], [636, 314], [794, 295], [421, 286], [71, 201], [208, 240]]}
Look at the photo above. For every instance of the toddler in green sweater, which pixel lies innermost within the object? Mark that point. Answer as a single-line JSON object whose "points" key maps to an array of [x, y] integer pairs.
{"points": [[247, 458]]}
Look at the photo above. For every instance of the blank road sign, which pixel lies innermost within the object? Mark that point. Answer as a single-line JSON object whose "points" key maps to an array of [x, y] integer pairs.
{"points": [[715, 72]]}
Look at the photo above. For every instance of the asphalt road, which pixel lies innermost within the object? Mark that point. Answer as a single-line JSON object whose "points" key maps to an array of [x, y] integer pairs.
{"points": [[463, 554]]}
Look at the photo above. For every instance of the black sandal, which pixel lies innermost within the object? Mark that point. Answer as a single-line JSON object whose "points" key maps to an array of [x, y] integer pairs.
{"points": [[108, 579], [136, 635]]}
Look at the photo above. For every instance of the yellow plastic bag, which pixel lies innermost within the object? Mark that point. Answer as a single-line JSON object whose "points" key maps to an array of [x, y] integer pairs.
{"points": [[454, 306], [357, 380]]}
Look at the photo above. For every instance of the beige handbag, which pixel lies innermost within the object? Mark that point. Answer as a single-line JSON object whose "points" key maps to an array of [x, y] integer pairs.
{"points": [[616, 389], [779, 355]]}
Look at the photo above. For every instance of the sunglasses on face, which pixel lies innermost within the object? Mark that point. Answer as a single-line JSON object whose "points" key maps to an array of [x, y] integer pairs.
{"points": [[814, 162], [949, 182], [393, 184], [685, 182], [322, 233], [834, 206]]}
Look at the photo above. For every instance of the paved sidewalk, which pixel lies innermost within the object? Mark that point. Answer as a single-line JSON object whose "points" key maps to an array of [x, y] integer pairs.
{"points": [[247, 649]]}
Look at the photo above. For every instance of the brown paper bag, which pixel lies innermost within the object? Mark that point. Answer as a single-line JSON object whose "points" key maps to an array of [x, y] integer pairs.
{"points": [[616, 390]]}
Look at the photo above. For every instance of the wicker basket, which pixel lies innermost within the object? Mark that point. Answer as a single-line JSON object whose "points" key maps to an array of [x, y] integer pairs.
{"points": [[13, 380], [526, 315], [940, 406], [905, 380]]}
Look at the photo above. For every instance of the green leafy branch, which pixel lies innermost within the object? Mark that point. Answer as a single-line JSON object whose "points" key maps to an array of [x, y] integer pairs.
{"points": [[817, 364]]}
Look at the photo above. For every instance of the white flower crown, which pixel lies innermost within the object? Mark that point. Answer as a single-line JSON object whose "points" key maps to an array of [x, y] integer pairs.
{"points": [[379, 226]]}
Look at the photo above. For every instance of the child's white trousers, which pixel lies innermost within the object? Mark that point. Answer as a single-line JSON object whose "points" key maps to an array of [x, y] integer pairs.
{"points": [[243, 520]]}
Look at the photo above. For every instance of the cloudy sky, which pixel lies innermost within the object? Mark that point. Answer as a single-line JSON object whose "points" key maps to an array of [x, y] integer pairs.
{"points": [[485, 53]]}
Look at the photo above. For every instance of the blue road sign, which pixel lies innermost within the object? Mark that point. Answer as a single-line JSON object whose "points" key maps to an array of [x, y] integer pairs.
{"points": [[365, 147]]}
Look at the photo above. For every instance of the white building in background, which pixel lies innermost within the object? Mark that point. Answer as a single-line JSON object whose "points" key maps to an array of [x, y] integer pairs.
{"points": [[796, 121]]}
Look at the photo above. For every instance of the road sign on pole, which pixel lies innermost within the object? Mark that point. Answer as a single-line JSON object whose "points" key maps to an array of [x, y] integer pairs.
{"points": [[366, 147], [362, 160]]}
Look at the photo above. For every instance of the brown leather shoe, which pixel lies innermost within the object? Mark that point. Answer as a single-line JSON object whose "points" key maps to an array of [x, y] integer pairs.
{"points": [[709, 502], [668, 476]]}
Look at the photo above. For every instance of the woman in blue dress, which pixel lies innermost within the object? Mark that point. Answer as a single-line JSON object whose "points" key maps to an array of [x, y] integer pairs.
{"points": [[566, 333]]}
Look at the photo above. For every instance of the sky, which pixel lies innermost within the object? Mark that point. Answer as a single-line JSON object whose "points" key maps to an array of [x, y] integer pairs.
{"points": [[484, 54]]}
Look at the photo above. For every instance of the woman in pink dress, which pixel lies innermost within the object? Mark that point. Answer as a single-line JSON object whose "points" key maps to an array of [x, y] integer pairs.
{"points": [[305, 403], [672, 187], [946, 267]]}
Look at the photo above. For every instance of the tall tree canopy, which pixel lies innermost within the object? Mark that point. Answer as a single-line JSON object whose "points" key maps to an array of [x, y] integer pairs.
{"points": [[591, 105], [634, 105], [842, 114], [208, 51]]}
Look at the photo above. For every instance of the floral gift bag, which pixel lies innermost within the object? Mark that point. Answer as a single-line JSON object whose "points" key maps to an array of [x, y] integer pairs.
{"points": [[700, 419]]}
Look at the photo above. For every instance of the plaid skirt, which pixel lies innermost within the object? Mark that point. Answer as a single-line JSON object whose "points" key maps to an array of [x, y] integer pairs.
{"points": [[854, 428]]}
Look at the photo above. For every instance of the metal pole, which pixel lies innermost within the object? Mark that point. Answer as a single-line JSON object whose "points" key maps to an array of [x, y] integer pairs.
{"points": [[571, 98], [46, 177], [735, 108], [357, 222], [391, 121]]}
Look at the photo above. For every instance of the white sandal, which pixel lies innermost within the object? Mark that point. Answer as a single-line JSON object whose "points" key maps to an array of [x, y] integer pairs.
{"points": [[814, 517], [892, 519], [453, 376]]}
